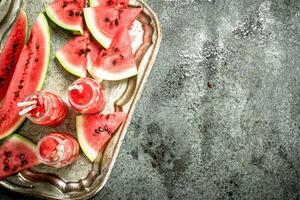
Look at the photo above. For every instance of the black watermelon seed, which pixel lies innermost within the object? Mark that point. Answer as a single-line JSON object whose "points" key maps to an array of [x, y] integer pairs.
{"points": [[20, 86], [22, 156], [6, 161], [77, 13], [115, 49], [37, 46], [100, 129], [16, 94], [106, 19], [109, 2], [114, 62], [88, 50], [96, 131], [121, 56], [36, 60], [8, 154], [24, 162], [104, 54], [65, 4], [15, 45], [71, 13], [21, 81], [6, 168], [81, 52], [105, 128], [116, 22]]}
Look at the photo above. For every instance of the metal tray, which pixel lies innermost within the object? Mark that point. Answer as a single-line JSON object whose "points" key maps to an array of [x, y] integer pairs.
{"points": [[83, 179]]}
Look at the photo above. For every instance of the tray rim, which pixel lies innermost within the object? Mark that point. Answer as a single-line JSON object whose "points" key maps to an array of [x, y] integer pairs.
{"points": [[123, 130]]}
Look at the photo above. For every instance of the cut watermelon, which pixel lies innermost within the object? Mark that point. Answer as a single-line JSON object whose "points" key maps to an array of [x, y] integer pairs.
{"points": [[16, 154], [94, 131], [104, 22], [112, 3], [29, 75], [79, 54], [117, 62], [11, 52], [67, 14]]}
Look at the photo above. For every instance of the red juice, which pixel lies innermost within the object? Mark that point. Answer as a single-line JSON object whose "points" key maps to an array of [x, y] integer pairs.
{"points": [[86, 96], [58, 149], [45, 109]]}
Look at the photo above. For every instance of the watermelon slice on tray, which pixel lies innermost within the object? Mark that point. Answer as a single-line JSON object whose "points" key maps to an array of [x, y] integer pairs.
{"points": [[79, 54], [11, 51], [104, 22], [120, 4], [67, 14], [16, 154], [29, 75], [94, 131], [117, 62]]}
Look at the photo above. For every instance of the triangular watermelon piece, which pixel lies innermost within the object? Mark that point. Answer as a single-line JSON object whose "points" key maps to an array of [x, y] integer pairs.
{"points": [[120, 4], [79, 54], [16, 154], [117, 62], [94, 131], [11, 51], [67, 14], [104, 22]]}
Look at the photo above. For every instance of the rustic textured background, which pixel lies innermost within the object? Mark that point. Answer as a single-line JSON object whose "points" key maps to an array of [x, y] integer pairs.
{"points": [[220, 115]]}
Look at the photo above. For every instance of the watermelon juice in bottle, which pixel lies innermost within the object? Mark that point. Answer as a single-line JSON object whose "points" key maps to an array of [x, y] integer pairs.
{"points": [[57, 149], [44, 108], [86, 96]]}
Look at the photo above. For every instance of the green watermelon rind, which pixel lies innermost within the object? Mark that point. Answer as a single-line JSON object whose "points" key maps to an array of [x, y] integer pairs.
{"points": [[76, 29], [68, 66], [22, 139], [98, 35], [90, 153], [45, 27], [93, 3]]}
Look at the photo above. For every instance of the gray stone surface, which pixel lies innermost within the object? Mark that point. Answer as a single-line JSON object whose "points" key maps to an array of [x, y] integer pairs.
{"points": [[220, 115]]}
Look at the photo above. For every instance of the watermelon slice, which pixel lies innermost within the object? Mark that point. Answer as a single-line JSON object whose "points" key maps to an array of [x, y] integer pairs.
{"points": [[79, 54], [67, 14], [104, 22], [94, 131], [11, 52], [28, 77], [16, 154], [117, 62], [112, 3]]}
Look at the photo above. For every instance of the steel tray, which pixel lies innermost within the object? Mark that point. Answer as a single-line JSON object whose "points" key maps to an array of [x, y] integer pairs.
{"points": [[83, 179]]}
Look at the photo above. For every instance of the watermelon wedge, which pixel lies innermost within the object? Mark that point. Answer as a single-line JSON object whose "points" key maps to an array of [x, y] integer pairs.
{"points": [[67, 14], [29, 75], [104, 22], [79, 54], [16, 154], [117, 62], [11, 52], [112, 3], [94, 131]]}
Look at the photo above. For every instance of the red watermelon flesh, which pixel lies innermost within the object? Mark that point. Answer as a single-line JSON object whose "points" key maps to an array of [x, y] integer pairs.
{"points": [[119, 4], [28, 77], [79, 54], [16, 154], [11, 52], [94, 131], [67, 14], [104, 22], [117, 62]]}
